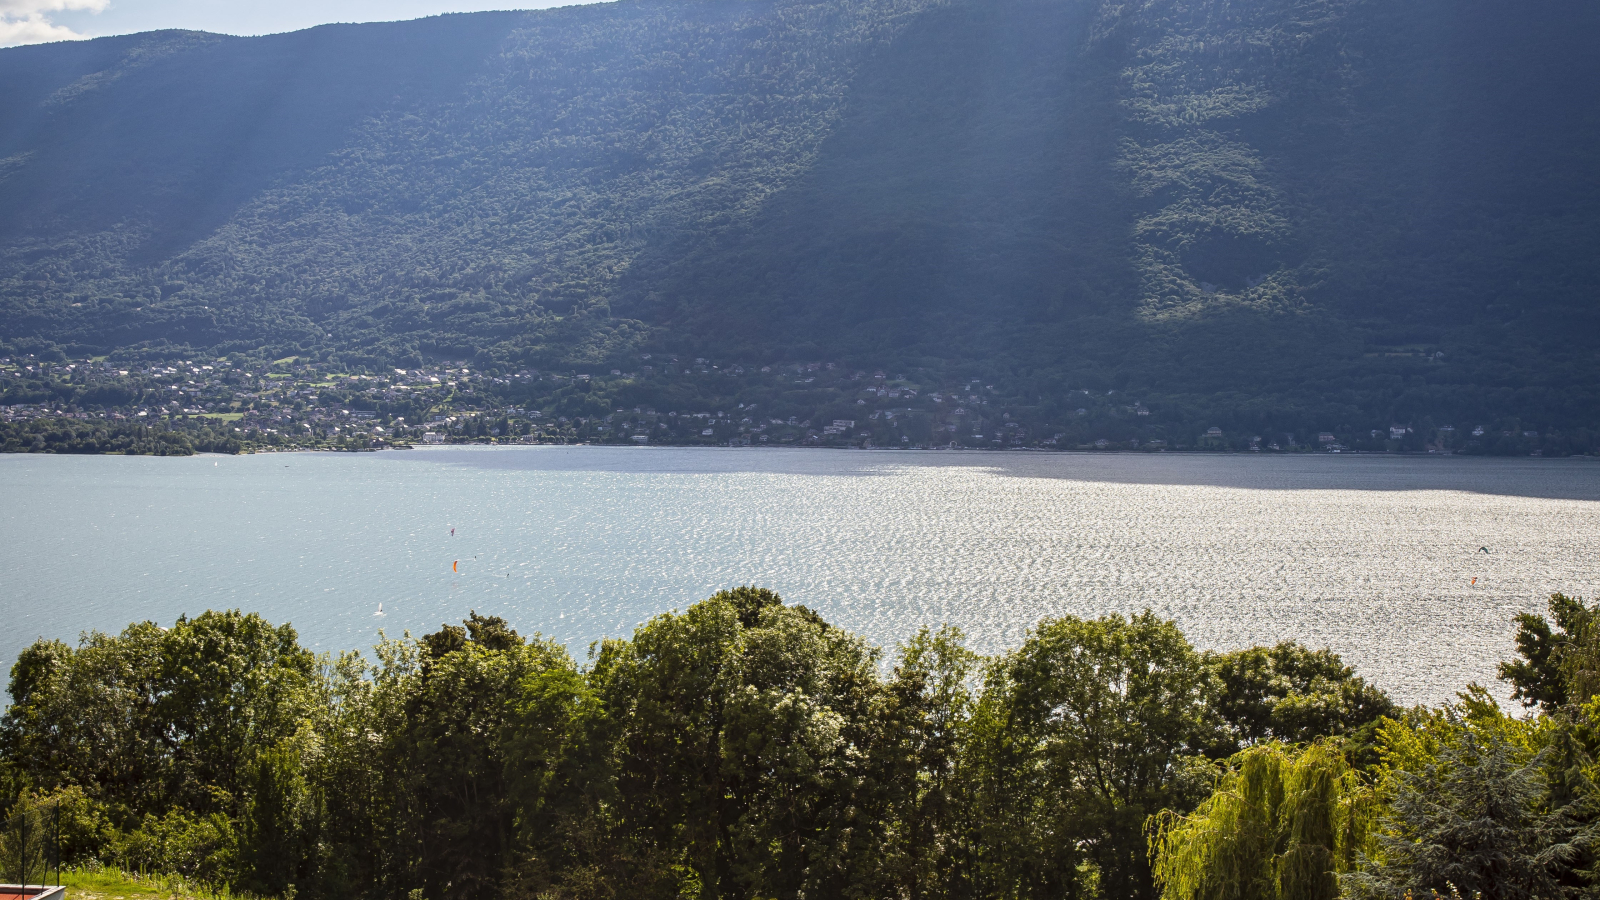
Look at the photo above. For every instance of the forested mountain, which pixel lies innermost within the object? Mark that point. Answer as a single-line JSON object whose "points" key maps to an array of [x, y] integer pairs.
{"points": [[1339, 210]]}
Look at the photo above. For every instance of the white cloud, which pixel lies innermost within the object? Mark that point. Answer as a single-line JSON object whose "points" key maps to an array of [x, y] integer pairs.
{"points": [[28, 21]]}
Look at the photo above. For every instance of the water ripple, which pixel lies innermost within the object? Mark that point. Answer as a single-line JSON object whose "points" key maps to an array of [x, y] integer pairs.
{"points": [[577, 543]]}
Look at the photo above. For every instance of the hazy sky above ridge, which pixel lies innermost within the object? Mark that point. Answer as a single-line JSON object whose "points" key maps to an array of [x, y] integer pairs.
{"points": [[36, 21]]}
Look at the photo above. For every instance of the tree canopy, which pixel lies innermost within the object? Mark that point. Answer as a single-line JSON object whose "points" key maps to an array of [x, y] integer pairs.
{"points": [[744, 747]]}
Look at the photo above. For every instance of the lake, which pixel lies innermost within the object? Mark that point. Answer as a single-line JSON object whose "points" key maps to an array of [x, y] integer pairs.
{"points": [[1372, 556]]}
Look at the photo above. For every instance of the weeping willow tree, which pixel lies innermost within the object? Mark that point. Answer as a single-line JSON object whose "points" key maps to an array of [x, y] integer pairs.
{"points": [[1281, 825]]}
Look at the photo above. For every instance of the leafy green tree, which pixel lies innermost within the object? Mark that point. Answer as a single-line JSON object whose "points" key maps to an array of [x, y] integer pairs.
{"points": [[1559, 665], [231, 687], [1477, 821], [359, 779], [1292, 694], [280, 821], [451, 749], [84, 717], [1281, 824], [562, 777], [156, 717], [83, 824], [161, 734], [1081, 734], [921, 766], [739, 722]]}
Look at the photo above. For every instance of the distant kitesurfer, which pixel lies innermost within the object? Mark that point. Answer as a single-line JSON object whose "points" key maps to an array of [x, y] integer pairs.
{"points": [[1483, 549]]}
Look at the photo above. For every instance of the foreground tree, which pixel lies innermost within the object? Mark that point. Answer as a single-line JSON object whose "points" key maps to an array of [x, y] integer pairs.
{"points": [[1082, 734], [1293, 694], [1560, 665], [1476, 821], [452, 748], [923, 764], [1282, 824], [742, 726], [156, 718]]}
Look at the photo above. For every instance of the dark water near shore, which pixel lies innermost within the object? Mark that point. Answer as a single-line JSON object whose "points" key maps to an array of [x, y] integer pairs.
{"points": [[1372, 556]]}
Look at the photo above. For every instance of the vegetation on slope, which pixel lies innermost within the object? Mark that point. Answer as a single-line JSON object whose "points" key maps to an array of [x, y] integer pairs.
{"points": [[1297, 211]]}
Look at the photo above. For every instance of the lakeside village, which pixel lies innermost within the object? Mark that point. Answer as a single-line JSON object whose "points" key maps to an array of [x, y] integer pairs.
{"points": [[237, 404]]}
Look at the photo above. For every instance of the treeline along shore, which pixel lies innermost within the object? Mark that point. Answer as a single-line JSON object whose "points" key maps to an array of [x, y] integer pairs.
{"points": [[242, 404], [747, 748]]}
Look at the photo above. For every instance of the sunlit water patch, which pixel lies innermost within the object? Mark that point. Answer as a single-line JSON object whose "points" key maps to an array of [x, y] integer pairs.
{"points": [[1373, 557]]}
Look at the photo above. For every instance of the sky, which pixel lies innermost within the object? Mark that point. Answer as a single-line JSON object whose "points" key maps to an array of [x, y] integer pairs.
{"points": [[36, 21]]}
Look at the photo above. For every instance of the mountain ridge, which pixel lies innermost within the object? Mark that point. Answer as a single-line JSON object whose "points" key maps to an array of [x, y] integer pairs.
{"points": [[1367, 210]]}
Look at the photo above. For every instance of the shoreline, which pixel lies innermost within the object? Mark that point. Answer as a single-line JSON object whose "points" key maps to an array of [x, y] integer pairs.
{"points": [[1033, 451]]}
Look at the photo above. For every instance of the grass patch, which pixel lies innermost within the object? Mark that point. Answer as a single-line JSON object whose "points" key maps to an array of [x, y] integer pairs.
{"points": [[225, 417], [111, 883]]}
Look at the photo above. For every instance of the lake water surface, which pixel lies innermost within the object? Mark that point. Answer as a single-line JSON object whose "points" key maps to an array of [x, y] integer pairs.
{"points": [[1372, 556]]}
